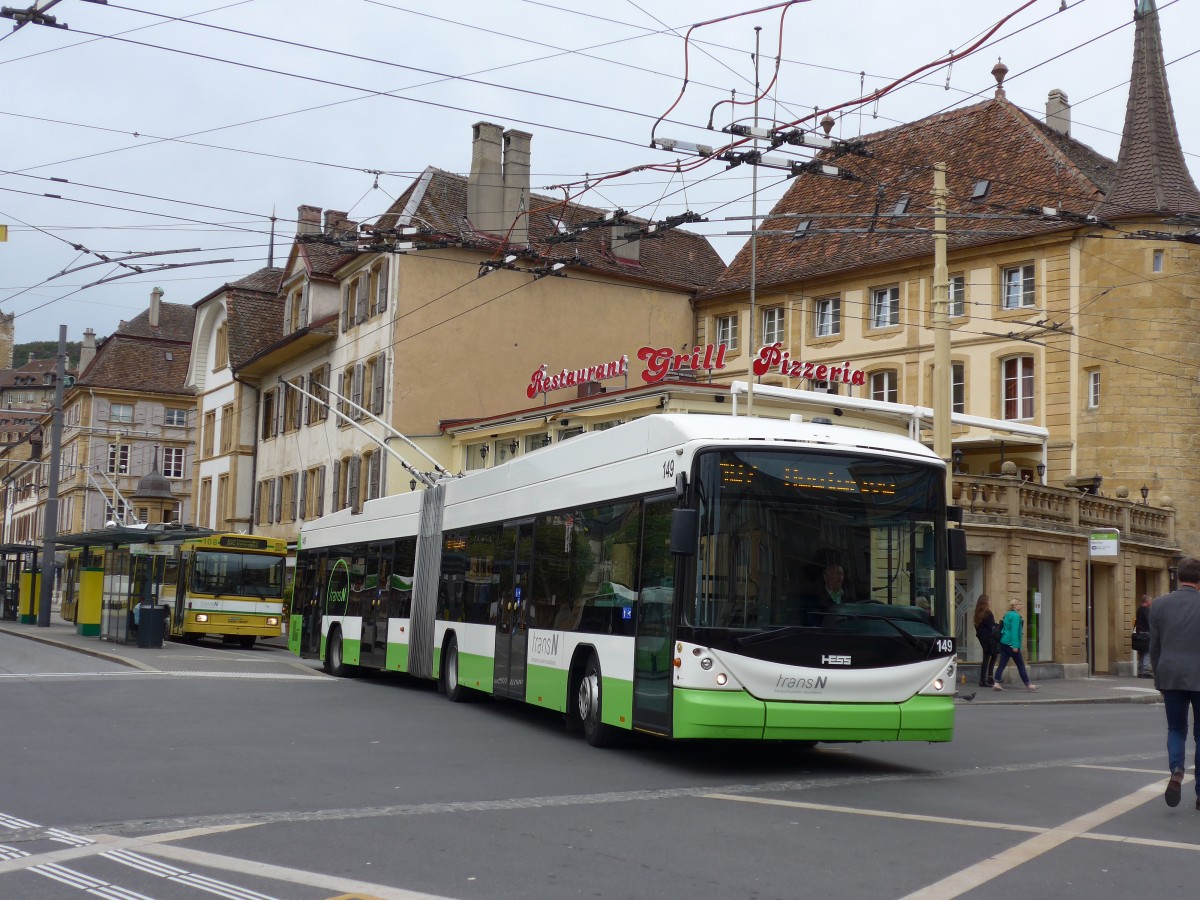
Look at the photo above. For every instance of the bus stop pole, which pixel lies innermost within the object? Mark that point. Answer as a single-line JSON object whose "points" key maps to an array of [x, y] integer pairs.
{"points": [[50, 522]]}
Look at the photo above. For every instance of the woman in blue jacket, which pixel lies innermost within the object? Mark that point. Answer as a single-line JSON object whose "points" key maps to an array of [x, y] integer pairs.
{"points": [[1011, 627]]}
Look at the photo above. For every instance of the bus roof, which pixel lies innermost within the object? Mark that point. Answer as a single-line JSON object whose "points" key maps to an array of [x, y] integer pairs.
{"points": [[612, 459]]}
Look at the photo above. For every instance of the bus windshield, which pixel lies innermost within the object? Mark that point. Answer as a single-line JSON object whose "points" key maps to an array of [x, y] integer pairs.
{"points": [[224, 573], [829, 541]]}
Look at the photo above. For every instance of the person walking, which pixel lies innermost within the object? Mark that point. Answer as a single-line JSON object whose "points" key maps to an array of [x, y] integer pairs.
{"points": [[1011, 628], [988, 634], [1175, 658], [1141, 637]]}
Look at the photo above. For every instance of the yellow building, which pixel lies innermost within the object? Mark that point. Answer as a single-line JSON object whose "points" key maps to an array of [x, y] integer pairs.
{"points": [[1072, 288]]}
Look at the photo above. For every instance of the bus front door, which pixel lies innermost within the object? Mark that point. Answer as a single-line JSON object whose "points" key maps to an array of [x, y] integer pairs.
{"points": [[512, 632], [373, 649]]}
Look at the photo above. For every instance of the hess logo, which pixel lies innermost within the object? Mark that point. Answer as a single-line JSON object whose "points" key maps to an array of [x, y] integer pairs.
{"points": [[835, 660]]}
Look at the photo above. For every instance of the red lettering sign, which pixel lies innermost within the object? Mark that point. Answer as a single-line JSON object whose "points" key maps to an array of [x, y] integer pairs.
{"points": [[775, 357], [662, 361], [542, 381]]}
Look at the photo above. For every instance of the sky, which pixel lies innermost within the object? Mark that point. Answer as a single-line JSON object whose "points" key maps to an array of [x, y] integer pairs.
{"points": [[166, 126]]}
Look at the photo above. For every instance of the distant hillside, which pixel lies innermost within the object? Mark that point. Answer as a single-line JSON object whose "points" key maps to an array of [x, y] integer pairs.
{"points": [[44, 350]]}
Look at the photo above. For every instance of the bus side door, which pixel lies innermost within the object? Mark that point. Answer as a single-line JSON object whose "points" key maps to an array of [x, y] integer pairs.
{"points": [[512, 632]]}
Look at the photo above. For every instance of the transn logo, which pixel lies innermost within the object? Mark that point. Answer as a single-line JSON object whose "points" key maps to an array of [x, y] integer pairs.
{"points": [[835, 660]]}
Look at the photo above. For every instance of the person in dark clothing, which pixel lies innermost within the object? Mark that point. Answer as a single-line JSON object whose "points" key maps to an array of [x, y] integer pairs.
{"points": [[1141, 627], [988, 634], [1175, 656]]}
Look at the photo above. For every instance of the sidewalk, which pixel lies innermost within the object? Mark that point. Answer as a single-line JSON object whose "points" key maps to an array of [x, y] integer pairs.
{"points": [[175, 657], [208, 655]]}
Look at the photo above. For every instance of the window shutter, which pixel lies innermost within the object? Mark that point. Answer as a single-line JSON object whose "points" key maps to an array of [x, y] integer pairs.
{"points": [[304, 306], [320, 492], [346, 301], [373, 475], [380, 380], [364, 290], [280, 408], [287, 314], [382, 472], [341, 404], [302, 498], [326, 376], [335, 502], [356, 392], [305, 402], [277, 500], [354, 467], [381, 302]]}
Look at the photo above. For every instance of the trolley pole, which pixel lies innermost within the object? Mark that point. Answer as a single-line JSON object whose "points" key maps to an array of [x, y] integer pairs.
{"points": [[50, 522], [942, 401]]}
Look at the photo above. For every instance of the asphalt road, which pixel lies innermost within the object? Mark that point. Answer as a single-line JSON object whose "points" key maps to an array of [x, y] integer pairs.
{"points": [[250, 779]]}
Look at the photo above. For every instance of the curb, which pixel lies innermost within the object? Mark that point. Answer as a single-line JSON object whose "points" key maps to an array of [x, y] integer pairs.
{"points": [[86, 651], [1026, 701]]}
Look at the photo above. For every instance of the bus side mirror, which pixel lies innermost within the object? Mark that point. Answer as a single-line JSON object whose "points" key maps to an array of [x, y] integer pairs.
{"points": [[956, 549], [684, 528]]}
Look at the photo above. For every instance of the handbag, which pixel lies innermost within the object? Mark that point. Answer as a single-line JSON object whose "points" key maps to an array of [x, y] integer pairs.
{"points": [[1140, 641]]}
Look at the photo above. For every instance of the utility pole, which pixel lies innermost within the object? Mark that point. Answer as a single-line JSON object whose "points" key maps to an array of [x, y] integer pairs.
{"points": [[753, 240], [50, 522], [942, 401]]}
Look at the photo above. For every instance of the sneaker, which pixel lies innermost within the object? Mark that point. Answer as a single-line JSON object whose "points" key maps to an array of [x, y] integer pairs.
{"points": [[1173, 788], [1032, 687], [996, 686]]}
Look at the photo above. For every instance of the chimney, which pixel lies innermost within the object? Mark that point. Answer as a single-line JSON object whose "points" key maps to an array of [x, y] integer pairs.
{"points": [[308, 219], [625, 243], [156, 296], [87, 350], [485, 186], [516, 185], [1058, 112], [335, 221]]}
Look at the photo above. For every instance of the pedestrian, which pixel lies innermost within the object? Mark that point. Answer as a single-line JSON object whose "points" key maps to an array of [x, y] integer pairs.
{"points": [[1011, 627], [1141, 637], [1175, 657], [987, 632]]}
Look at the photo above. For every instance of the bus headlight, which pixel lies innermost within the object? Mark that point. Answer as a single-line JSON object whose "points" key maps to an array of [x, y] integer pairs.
{"points": [[938, 684], [272, 621], [202, 617]]}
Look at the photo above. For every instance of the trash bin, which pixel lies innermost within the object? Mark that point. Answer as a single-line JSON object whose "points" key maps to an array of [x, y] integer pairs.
{"points": [[150, 623]]}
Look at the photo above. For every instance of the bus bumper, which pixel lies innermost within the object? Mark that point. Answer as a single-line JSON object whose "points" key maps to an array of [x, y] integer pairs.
{"points": [[735, 714]]}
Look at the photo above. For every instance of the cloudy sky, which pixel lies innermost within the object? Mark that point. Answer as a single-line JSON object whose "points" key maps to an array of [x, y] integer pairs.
{"points": [[181, 126]]}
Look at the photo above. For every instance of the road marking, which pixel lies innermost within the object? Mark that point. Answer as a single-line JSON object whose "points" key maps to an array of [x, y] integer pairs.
{"points": [[982, 872], [1123, 769], [93, 886], [71, 674], [877, 813], [314, 676]]}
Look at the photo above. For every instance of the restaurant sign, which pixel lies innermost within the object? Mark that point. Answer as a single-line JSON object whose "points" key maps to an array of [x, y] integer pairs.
{"points": [[660, 362]]}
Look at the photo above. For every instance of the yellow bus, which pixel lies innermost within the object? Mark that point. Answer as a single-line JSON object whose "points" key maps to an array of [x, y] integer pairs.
{"points": [[221, 585]]}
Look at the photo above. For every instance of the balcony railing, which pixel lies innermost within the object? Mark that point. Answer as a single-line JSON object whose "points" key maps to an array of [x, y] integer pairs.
{"points": [[1007, 500]]}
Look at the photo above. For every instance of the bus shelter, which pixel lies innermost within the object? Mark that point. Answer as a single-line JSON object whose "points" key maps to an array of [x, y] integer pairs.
{"points": [[115, 573], [17, 560]]}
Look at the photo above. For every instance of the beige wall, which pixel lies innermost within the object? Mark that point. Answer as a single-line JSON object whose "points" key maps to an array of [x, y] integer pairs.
{"points": [[471, 353]]}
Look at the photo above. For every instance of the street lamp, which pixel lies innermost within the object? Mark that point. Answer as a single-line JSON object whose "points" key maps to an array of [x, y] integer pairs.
{"points": [[412, 484], [1041, 470], [1145, 494], [958, 458]]}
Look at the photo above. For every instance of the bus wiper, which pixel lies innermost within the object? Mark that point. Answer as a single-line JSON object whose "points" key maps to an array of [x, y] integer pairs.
{"points": [[912, 641], [773, 634]]}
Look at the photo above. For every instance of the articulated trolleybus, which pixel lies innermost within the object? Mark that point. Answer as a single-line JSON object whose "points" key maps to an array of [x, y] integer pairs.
{"points": [[686, 576]]}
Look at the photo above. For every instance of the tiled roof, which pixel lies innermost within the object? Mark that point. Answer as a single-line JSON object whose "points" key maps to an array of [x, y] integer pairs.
{"points": [[264, 281], [1152, 176], [324, 259], [175, 321], [1025, 163], [132, 363], [678, 258], [255, 321], [32, 374]]}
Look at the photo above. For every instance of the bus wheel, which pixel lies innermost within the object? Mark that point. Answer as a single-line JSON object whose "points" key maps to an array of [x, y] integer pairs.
{"points": [[453, 688], [246, 641], [334, 663], [591, 705]]}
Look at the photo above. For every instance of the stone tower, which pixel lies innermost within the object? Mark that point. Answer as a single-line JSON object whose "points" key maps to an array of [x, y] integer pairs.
{"points": [[1138, 334]]}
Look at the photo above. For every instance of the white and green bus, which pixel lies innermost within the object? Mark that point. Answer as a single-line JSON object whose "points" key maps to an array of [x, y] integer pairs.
{"points": [[665, 576]]}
